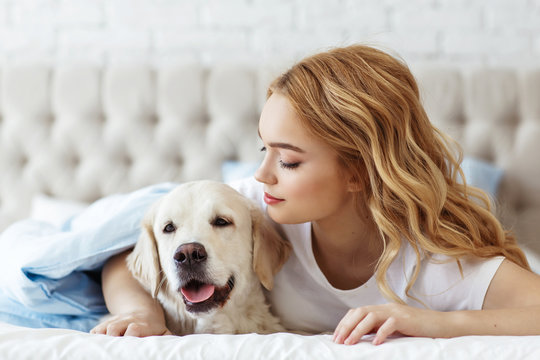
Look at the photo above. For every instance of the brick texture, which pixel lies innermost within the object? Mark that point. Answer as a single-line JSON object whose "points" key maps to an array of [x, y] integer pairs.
{"points": [[485, 32]]}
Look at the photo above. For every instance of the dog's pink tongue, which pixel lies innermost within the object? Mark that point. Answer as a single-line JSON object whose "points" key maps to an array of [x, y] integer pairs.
{"points": [[198, 294]]}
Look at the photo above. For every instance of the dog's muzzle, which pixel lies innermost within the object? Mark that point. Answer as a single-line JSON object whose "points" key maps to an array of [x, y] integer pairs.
{"points": [[200, 294]]}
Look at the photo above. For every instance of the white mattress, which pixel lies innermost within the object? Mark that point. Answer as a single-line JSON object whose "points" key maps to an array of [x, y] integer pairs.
{"points": [[24, 343]]}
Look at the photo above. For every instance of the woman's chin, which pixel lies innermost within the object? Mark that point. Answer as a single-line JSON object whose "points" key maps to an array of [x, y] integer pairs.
{"points": [[285, 218]]}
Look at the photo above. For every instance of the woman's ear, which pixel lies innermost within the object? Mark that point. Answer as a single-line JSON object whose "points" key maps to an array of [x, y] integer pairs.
{"points": [[270, 249], [354, 185], [357, 180], [143, 262]]}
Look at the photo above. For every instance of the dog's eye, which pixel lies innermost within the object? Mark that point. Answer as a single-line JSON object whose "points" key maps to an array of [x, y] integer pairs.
{"points": [[221, 222], [169, 228]]}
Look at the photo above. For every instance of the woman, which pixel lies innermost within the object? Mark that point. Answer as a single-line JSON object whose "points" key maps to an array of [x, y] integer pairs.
{"points": [[386, 237]]}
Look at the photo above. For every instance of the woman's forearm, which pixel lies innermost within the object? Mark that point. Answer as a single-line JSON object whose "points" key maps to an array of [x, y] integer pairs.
{"points": [[517, 321], [122, 292], [134, 310], [511, 306]]}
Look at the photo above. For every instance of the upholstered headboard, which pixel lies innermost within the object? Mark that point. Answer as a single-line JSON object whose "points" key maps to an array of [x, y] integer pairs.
{"points": [[495, 115], [82, 132]]}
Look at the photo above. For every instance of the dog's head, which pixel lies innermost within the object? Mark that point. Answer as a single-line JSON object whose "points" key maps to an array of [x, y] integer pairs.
{"points": [[203, 241]]}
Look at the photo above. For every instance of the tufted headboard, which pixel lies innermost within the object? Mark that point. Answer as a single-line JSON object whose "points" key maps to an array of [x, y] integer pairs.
{"points": [[495, 115], [83, 132]]}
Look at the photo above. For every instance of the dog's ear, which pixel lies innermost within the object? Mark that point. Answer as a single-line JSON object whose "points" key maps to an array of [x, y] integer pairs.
{"points": [[143, 262], [270, 249]]}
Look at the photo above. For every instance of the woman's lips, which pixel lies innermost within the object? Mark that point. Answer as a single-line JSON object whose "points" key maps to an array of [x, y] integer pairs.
{"points": [[270, 200]]}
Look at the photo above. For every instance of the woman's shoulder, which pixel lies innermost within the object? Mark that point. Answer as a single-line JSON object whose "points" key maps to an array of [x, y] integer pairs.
{"points": [[447, 283]]}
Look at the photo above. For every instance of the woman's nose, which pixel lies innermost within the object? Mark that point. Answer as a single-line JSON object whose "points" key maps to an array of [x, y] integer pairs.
{"points": [[264, 175]]}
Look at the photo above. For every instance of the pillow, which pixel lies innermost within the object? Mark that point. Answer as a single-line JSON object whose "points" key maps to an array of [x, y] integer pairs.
{"points": [[237, 170], [54, 211], [482, 174]]}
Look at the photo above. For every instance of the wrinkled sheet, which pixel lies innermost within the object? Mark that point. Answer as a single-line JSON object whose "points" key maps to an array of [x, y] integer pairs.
{"points": [[25, 343], [51, 272]]}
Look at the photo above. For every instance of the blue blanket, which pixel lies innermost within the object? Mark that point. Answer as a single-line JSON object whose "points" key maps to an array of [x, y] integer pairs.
{"points": [[51, 275]]}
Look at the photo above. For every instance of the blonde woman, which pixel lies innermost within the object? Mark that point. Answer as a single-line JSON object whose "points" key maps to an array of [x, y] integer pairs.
{"points": [[386, 237]]}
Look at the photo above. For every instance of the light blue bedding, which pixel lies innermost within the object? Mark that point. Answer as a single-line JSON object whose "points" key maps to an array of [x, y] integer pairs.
{"points": [[50, 275]]}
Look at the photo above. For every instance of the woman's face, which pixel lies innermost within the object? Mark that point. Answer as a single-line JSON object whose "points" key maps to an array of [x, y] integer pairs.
{"points": [[302, 177]]}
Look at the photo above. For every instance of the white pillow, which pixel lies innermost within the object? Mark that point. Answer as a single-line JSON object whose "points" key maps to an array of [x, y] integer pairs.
{"points": [[54, 211], [482, 174], [237, 170]]}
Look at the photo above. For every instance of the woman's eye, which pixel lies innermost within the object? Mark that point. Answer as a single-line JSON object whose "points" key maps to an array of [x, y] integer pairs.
{"points": [[169, 228], [221, 222], [285, 165]]}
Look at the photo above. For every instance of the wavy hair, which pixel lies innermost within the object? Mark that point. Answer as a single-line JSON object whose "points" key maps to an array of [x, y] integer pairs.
{"points": [[366, 105]]}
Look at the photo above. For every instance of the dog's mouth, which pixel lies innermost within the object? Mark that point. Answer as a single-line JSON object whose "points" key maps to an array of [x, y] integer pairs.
{"points": [[202, 297]]}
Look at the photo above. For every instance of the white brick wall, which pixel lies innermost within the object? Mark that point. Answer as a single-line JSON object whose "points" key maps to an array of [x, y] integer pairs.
{"points": [[500, 32]]}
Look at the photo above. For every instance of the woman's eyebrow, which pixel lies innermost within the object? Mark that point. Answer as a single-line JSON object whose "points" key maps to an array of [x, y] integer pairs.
{"points": [[283, 145], [286, 146]]}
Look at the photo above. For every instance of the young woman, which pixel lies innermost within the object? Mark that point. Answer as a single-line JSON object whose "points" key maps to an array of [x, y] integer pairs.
{"points": [[386, 237]]}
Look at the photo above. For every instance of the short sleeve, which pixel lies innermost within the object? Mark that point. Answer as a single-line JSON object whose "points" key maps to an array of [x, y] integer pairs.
{"points": [[442, 286]]}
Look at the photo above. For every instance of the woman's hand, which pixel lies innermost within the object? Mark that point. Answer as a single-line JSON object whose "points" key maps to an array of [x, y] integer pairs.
{"points": [[511, 307], [386, 320], [139, 323], [134, 311]]}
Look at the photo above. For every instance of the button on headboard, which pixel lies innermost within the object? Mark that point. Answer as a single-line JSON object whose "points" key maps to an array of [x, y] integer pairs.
{"points": [[495, 115], [83, 132]]}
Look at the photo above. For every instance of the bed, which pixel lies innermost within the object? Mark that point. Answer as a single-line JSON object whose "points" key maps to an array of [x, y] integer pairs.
{"points": [[76, 133]]}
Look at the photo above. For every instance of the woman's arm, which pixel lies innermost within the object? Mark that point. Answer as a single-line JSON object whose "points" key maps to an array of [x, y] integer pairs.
{"points": [[133, 311], [511, 307]]}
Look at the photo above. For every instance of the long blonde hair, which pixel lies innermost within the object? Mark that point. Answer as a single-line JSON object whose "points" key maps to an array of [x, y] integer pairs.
{"points": [[365, 104]]}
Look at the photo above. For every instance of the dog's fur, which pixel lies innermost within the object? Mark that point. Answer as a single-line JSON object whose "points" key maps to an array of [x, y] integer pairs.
{"points": [[229, 245]]}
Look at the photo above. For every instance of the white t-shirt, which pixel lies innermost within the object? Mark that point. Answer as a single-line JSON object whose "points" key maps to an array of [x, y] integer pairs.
{"points": [[305, 301]]}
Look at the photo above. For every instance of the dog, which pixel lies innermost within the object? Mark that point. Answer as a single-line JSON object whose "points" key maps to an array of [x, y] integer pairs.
{"points": [[204, 252]]}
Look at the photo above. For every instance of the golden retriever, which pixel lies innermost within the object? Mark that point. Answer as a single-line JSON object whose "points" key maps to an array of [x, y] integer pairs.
{"points": [[204, 252]]}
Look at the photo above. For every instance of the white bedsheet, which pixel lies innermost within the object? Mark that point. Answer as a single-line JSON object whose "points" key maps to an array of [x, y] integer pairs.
{"points": [[25, 343]]}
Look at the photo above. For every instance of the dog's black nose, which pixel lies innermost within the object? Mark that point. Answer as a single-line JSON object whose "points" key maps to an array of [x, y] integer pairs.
{"points": [[191, 253]]}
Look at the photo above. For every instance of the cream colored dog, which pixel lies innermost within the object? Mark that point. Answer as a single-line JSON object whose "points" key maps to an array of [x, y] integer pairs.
{"points": [[203, 253]]}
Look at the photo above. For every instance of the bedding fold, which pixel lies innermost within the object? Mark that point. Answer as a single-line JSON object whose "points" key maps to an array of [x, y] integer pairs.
{"points": [[51, 274]]}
